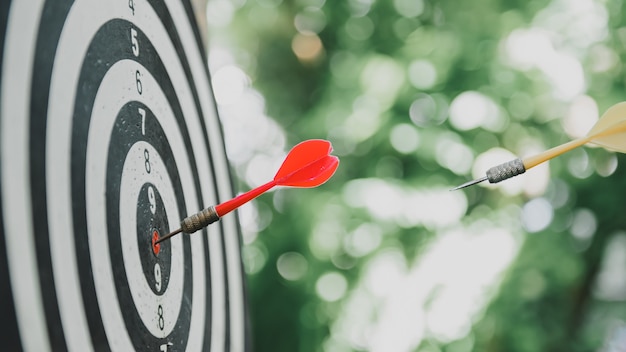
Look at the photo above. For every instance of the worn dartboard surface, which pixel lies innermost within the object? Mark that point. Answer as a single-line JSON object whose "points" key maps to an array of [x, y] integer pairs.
{"points": [[108, 135]]}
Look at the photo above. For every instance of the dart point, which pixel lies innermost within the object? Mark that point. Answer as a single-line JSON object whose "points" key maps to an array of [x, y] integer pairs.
{"points": [[167, 236], [470, 183]]}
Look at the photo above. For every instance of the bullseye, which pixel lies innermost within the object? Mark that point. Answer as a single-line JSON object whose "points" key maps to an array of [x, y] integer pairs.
{"points": [[156, 247]]}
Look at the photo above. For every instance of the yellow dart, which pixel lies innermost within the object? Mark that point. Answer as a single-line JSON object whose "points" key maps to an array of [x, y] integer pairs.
{"points": [[609, 132]]}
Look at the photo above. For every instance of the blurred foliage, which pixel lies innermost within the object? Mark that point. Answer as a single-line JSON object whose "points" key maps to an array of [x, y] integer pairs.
{"points": [[381, 79]]}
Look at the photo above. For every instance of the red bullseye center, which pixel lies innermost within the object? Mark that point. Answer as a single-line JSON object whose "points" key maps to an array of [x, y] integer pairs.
{"points": [[156, 247]]}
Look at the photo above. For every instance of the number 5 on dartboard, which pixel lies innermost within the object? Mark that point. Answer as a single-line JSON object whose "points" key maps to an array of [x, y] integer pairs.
{"points": [[134, 42]]}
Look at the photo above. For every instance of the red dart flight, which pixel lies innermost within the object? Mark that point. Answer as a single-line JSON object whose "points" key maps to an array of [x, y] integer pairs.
{"points": [[308, 164]]}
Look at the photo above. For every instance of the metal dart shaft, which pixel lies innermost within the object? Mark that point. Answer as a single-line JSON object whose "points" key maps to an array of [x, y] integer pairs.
{"points": [[168, 236], [499, 173], [194, 223], [470, 183]]}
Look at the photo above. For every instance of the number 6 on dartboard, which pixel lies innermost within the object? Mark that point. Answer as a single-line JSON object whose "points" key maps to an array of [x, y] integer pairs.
{"points": [[138, 82]]}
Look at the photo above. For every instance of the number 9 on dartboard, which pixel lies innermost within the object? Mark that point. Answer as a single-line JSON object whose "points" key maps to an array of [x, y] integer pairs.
{"points": [[109, 136]]}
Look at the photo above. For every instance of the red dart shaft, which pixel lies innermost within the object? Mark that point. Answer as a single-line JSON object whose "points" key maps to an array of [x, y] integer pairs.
{"points": [[308, 164], [230, 205]]}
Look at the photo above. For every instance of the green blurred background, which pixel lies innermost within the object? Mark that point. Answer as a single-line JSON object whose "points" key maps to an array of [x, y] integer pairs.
{"points": [[418, 96]]}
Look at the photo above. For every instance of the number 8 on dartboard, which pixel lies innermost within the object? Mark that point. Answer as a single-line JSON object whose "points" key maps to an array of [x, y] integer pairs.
{"points": [[109, 137]]}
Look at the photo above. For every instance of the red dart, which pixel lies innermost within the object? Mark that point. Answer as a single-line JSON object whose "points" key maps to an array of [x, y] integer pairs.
{"points": [[308, 164]]}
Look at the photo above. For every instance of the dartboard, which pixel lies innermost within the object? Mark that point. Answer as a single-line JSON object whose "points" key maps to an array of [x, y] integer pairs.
{"points": [[109, 136]]}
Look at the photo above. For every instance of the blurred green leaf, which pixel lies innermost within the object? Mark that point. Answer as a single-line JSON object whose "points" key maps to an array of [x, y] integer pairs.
{"points": [[382, 81]]}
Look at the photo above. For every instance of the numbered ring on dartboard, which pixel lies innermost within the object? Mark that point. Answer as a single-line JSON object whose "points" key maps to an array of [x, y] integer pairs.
{"points": [[109, 138]]}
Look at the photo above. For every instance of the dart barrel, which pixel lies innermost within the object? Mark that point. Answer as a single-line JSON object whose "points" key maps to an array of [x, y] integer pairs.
{"points": [[505, 171], [199, 220]]}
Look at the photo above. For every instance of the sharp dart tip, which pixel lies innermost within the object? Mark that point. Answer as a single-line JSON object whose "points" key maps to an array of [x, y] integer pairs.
{"points": [[470, 183], [171, 234]]}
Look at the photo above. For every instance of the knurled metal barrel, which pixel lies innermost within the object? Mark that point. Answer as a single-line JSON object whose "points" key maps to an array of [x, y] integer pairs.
{"points": [[505, 171], [199, 220]]}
